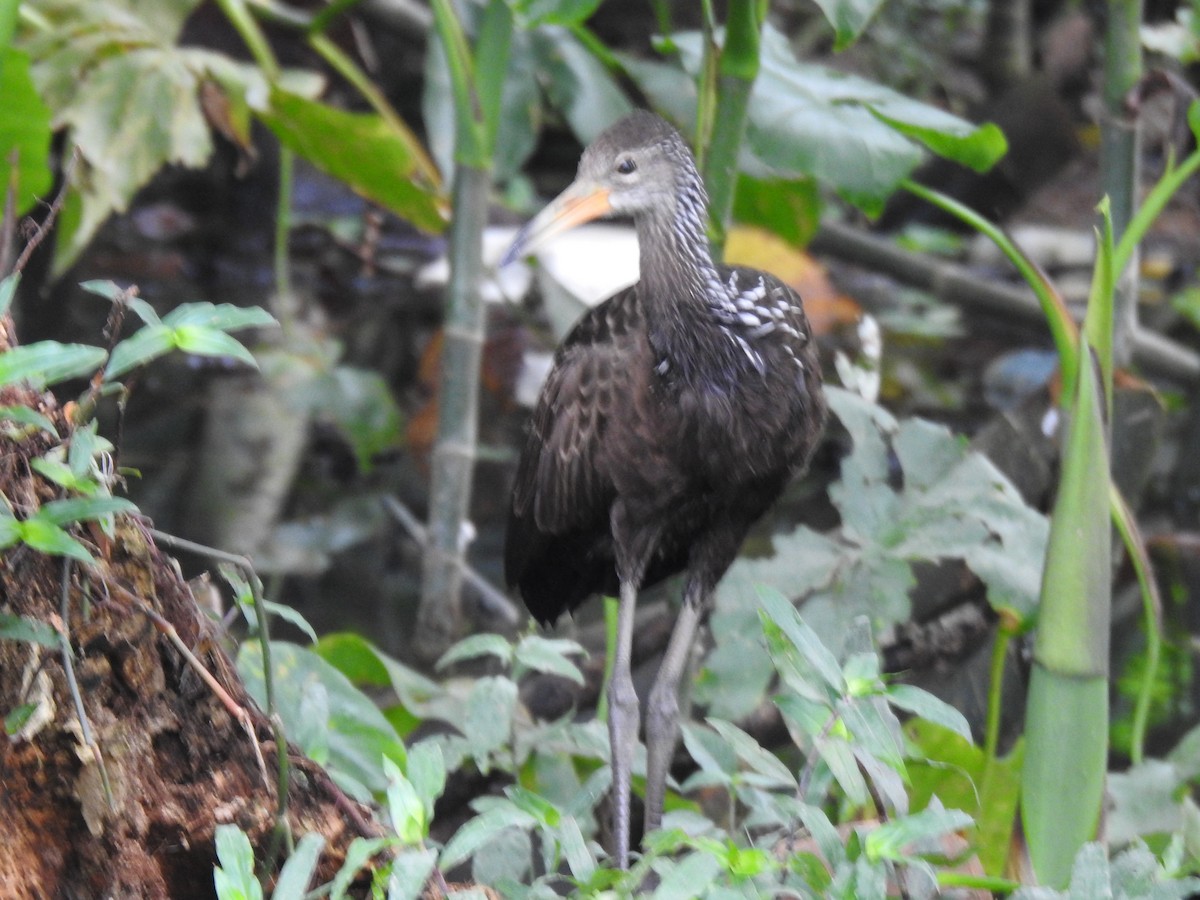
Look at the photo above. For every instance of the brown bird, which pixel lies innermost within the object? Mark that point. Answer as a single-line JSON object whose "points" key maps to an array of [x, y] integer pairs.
{"points": [[674, 415]]}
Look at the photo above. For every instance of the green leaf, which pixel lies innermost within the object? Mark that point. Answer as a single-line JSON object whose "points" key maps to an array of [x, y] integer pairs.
{"points": [[60, 473], [50, 538], [372, 157], [357, 735], [81, 509], [849, 18], [556, 12], [30, 631], [849, 133], [577, 84], [405, 808], [427, 772], [130, 114], [482, 829], [24, 135], [550, 656], [141, 347], [222, 316], [777, 609], [410, 872], [475, 646], [360, 850], [234, 877], [8, 290], [749, 751], [788, 208], [203, 341], [890, 840], [489, 716], [26, 416], [16, 718], [362, 406], [297, 872], [930, 708], [49, 362]]}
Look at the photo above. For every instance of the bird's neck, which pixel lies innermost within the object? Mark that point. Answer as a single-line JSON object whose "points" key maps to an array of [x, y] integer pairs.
{"points": [[687, 305]]}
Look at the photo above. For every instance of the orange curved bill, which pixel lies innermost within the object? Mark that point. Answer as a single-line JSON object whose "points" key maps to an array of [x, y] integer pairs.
{"points": [[579, 203]]}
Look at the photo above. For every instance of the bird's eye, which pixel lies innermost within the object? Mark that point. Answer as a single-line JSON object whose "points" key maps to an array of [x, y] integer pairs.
{"points": [[626, 166]]}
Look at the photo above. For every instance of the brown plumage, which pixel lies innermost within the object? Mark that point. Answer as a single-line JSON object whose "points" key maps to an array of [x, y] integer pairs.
{"points": [[674, 415]]}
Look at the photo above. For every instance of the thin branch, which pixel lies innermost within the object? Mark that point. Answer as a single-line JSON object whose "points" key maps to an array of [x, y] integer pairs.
{"points": [[64, 638], [44, 228], [493, 601]]}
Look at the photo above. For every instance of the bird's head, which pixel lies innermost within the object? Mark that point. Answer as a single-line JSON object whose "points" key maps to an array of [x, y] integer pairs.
{"points": [[633, 168]]}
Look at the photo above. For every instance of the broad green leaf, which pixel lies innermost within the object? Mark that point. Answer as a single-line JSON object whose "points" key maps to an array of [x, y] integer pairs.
{"points": [[374, 158], [579, 856], [961, 775], [516, 131], [27, 630], [489, 715], [292, 616], [755, 756], [410, 872], [359, 736], [50, 538], [203, 341], [49, 362], [234, 877], [545, 812], [930, 708], [221, 316], [481, 829], [475, 646], [297, 872], [86, 445], [24, 133], [405, 808], [132, 113], [361, 405], [805, 120], [577, 84], [23, 415], [427, 771], [890, 840], [849, 18], [556, 12], [8, 20], [550, 656], [788, 208], [60, 473], [83, 509], [777, 608], [145, 344]]}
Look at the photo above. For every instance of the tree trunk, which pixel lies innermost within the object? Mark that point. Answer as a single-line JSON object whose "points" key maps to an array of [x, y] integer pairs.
{"points": [[132, 811]]}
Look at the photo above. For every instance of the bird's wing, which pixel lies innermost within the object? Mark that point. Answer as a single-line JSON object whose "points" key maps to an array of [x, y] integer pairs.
{"points": [[561, 481]]}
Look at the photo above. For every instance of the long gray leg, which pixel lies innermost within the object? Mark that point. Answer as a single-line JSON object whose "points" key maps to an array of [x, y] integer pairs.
{"points": [[662, 710], [623, 721]]}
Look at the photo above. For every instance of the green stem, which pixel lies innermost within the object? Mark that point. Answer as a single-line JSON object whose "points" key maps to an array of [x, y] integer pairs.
{"points": [[991, 741], [1166, 188], [1063, 329], [357, 78], [737, 70], [283, 228], [1119, 151], [1152, 617], [240, 17], [322, 20]]}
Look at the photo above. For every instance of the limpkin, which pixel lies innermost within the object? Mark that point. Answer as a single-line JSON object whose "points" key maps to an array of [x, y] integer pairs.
{"points": [[673, 416]]}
